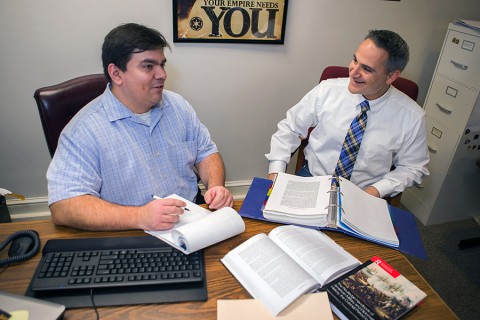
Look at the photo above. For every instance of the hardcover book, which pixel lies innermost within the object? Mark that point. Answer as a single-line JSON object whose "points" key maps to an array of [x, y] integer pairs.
{"points": [[374, 290]]}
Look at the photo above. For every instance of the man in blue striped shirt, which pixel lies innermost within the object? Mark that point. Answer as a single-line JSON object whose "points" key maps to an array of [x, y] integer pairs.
{"points": [[133, 141]]}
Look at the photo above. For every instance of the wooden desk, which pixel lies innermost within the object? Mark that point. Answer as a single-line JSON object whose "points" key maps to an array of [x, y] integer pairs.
{"points": [[221, 284]]}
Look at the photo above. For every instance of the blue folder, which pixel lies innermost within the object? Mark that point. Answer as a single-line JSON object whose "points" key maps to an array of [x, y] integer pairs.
{"points": [[404, 222]]}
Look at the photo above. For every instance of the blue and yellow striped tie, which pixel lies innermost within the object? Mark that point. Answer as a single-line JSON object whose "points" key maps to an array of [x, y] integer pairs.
{"points": [[352, 142]]}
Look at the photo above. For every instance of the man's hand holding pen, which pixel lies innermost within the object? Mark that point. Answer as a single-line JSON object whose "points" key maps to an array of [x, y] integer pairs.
{"points": [[161, 214], [158, 198]]}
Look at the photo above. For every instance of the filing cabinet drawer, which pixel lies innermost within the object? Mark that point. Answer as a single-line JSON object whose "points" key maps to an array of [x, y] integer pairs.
{"points": [[460, 58], [416, 206], [453, 133], [450, 103], [441, 145], [428, 190]]}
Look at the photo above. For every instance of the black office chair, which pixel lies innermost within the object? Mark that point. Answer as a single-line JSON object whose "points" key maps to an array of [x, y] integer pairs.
{"points": [[58, 104], [4, 213]]}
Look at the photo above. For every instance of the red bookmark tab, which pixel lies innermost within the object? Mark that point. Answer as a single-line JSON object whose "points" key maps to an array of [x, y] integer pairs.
{"points": [[385, 266]]}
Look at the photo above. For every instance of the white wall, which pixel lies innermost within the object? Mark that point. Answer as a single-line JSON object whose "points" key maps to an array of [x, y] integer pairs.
{"points": [[240, 91]]}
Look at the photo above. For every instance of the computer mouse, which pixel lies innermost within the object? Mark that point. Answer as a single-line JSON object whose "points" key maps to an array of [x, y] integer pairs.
{"points": [[20, 246]]}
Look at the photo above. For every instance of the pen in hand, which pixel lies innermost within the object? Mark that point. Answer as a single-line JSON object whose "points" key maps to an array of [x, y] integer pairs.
{"points": [[158, 198]]}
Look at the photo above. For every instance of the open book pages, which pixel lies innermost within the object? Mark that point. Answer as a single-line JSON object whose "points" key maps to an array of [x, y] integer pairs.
{"points": [[365, 215], [313, 201], [199, 228], [299, 200], [289, 262]]}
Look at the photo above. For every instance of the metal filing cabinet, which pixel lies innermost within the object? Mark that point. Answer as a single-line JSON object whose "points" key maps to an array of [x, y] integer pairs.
{"points": [[452, 106]]}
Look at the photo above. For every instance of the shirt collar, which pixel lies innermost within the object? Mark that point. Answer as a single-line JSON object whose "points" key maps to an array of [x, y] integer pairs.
{"points": [[377, 104], [116, 110]]}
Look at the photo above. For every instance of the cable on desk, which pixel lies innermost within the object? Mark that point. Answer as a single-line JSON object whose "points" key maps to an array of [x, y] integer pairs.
{"points": [[93, 303], [32, 250]]}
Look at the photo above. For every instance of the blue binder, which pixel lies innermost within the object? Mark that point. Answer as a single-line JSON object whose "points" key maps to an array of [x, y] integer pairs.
{"points": [[404, 222]]}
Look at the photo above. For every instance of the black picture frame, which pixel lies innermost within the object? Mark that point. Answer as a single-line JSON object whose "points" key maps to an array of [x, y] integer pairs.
{"points": [[229, 21]]}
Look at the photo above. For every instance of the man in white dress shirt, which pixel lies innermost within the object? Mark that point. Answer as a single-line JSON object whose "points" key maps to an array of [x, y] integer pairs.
{"points": [[395, 134]]}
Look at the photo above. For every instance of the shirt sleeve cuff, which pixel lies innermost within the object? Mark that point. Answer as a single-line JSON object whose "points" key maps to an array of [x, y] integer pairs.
{"points": [[384, 188], [277, 166]]}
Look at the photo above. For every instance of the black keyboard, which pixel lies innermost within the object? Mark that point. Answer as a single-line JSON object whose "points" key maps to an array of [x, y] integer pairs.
{"points": [[104, 264]]}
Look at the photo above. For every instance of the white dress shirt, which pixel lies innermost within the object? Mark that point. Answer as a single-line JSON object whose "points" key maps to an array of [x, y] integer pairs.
{"points": [[395, 135]]}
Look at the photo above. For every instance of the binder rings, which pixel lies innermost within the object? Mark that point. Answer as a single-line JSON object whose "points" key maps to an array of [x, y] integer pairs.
{"points": [[404, 222]]}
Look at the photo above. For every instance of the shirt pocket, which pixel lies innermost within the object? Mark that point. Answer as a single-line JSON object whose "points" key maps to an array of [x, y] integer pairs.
{"points": [[374, 158]]}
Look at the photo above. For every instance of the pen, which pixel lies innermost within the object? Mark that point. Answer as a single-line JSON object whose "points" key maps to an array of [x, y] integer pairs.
{"points": [[158, 198]]}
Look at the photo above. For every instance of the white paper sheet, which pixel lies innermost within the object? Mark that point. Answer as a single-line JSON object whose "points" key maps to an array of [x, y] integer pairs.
{"points": [[199, 228]]}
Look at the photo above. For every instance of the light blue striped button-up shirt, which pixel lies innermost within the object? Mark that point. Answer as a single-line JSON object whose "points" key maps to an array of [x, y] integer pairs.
{"points": [[109, 152]]}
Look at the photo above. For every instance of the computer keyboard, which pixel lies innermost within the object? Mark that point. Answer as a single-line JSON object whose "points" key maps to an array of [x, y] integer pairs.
{"points": [[109, 265]]}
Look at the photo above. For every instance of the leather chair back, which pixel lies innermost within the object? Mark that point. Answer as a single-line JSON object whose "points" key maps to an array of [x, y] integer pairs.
{"points": [[57, 104]]}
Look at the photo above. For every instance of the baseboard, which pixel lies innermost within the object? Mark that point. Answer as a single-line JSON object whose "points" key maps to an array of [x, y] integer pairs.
{"points": [[37, 208], [30, 208], [238, 188]]}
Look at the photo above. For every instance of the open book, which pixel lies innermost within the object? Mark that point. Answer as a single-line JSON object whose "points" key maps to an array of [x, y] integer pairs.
{"points": [[199, 228], [291, 261], [373, 290], [314, 201]]}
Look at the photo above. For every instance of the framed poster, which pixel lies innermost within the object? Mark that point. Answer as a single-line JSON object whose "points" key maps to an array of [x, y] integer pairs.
{"points": [[229, 21]]}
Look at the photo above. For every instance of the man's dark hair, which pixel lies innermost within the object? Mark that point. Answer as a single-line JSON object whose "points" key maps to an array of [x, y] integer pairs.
{"points": [[126, 39], [397, 48]]}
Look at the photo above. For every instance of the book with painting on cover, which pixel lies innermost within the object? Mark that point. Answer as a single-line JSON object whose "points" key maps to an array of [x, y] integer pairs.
{"points": [[316, 202], [374, 290], [279, 268]]}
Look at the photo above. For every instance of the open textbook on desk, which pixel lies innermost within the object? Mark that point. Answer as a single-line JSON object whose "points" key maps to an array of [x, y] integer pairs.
{"points": [[291, 261], [404, 222], [315, 201]]}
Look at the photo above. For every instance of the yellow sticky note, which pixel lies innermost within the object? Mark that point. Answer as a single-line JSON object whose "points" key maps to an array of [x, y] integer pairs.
{"points": [[19, 315]]}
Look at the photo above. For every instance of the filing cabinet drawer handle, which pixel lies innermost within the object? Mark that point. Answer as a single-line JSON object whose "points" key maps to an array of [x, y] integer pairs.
{"points": [[432, 149], [459, 65], [446, 110]]}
